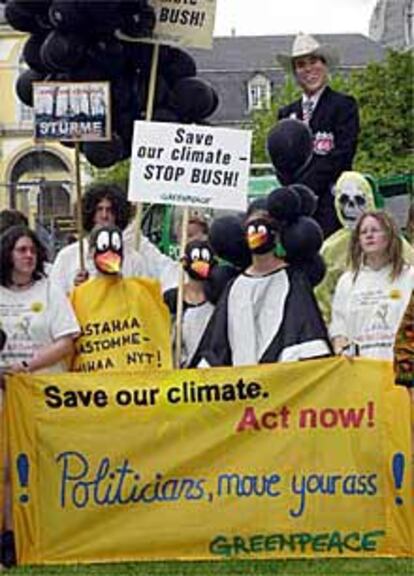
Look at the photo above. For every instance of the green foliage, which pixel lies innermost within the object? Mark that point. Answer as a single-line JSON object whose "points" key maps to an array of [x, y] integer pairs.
{"points": [[385, 95], [119, 174], [384, 92], [263, 120]]}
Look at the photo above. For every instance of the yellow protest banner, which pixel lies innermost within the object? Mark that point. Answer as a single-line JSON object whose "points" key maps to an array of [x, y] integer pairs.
{"points": [[125, 325], [2, 456], [305, 459]]}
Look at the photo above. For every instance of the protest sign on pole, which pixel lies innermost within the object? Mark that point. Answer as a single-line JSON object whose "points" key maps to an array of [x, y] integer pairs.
{"points": [[289, 460], [187, 23], [73, 112], [190, 165]]}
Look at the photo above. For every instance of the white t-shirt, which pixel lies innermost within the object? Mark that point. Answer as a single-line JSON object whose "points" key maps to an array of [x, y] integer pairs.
{"points": [[32, 319], [147, 262], [158, 265], [369, 310]]}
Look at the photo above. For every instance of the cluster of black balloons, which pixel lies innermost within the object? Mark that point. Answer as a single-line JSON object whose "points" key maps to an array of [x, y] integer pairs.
{"points": [[98, 40], [291, 206]]}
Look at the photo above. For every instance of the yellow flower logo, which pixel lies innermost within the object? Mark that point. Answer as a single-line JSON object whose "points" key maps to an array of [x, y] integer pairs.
{"points": [[36, 307], [395, 294]]}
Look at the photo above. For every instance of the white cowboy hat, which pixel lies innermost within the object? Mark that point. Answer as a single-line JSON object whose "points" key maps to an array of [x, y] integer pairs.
{"points": [[306, 45]]}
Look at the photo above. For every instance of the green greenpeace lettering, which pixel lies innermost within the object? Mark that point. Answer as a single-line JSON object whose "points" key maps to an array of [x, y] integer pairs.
{"points": [[301, 542]]}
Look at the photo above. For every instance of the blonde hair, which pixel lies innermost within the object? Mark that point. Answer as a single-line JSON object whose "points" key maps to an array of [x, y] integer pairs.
{"points": [[394, 249]]}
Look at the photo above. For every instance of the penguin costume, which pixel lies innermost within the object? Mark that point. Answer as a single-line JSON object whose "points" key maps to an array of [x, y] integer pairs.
{"points": [[268, 313], [124, 322], [199, 262]]}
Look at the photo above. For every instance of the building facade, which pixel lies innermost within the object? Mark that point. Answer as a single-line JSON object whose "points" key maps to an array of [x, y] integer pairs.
{"points": [[392, 24], [35, 178]]}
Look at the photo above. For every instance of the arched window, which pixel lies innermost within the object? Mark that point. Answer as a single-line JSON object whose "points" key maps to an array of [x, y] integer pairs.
{"points": [[259, 89], [41, 180]]}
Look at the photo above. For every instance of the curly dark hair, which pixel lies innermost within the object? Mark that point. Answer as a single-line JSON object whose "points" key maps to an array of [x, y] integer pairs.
{"points": [[10, 217], [7, 243], [112, 192]]}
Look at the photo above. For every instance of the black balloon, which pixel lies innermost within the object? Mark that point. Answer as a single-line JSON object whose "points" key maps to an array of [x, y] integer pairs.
{"points": [[108, 55], [24, 85], [176, 64], [228, 241], [69, 16], [193, 99], [61, 52], [302, 238], [284, 204], [308, 199], [289, 145], [138, 21], [104, 154], [25, 16], [314, 268], [31, 52]]}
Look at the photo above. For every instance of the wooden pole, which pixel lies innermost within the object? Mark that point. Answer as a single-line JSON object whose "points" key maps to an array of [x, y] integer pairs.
{"points": [[180, 292], [79, 227], [152, 85]]}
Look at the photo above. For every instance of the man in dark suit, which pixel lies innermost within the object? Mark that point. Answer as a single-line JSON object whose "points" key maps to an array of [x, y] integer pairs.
{"points": [[332, 118]]}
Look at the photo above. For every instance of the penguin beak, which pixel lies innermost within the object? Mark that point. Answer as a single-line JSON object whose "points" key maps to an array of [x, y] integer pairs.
{"points": [[201, 268], [256, 239], [108, 262]]}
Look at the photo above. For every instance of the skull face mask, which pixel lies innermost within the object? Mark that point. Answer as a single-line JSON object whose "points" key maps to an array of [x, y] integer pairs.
{"points": [[353, 197]]}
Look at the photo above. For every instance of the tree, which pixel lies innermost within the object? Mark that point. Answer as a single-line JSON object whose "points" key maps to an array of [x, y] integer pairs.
{"points": [[384, 91], [118, 174], [385, 95]]}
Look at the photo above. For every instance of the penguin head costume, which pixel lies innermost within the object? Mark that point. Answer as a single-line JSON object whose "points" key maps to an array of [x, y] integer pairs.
{"points": [[106, 245], [198, 260], [259, 228]]}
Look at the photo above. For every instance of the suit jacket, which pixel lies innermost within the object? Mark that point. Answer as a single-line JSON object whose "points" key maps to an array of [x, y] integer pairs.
{"points": [[335, 127]]}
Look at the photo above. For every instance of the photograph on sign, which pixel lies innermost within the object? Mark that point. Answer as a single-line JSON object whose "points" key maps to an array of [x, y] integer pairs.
{"points": [[190, 165], [72, 111], [184, 23]]}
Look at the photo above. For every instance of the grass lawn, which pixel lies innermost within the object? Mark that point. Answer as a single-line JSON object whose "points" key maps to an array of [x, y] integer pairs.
{"points": [[331, 567]]}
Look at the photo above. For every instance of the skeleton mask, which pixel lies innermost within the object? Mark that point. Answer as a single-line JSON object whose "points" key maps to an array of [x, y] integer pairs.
{"points": [[353, 197]]}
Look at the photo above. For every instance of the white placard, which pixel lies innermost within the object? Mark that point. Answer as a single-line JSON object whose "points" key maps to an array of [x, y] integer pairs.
{"points": [[186, 22], [190, 165], [72, 111]]}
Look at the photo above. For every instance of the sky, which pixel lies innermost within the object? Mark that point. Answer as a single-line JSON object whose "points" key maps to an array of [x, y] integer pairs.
{"points": [[268, 17]]}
